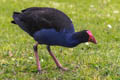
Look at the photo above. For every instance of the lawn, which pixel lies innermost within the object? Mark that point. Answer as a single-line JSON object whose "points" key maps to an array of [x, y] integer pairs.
{"points": [[85, 62]]}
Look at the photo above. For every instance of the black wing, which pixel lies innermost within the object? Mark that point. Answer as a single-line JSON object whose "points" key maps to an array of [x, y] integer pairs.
{"points": [[35, 18]]}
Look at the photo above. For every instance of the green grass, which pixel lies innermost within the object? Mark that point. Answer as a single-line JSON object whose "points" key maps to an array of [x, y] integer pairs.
{"points": [[85, 62]]}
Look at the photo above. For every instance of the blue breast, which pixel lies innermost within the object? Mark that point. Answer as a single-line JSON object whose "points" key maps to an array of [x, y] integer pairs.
{"points": [[50, 37]]}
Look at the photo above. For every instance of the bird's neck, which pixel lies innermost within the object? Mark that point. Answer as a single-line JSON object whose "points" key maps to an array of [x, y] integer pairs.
{"points": [[75, 38]]}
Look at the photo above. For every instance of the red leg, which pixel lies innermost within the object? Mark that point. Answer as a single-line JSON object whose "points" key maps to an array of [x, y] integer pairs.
{"points": [[37, 57], [55, 59]]}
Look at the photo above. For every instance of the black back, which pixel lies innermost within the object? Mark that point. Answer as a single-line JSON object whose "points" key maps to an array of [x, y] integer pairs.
{"points": [[36, 18]]}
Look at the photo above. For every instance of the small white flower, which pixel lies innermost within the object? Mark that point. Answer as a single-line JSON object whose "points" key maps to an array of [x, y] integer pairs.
{"points": [[92, 6], [109, 26], [116, 11], [30, 57], [13, 59], [71, 6], [87, 43], [42, 60]]}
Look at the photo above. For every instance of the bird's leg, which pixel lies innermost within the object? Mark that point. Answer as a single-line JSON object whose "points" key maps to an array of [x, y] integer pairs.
{"points": [[55, 59], [37, 57]]}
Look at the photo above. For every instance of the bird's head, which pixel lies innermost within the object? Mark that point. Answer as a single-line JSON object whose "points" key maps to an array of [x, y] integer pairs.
{"points": [[84, 36], [91, 37]]}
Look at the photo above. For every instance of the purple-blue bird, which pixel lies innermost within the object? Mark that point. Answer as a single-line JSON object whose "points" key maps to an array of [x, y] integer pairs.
{"points": [[51, 27]]}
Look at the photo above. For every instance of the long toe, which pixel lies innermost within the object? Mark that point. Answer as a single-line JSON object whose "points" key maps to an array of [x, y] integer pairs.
{"points": [[63, 69], [39, 71]]}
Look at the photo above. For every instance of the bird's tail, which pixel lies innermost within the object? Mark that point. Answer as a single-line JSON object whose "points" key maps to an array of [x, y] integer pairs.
{"points": [[15, 14]]}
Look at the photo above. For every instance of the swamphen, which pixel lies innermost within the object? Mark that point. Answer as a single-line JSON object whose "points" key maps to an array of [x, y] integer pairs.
{"points": [[51, 27]]}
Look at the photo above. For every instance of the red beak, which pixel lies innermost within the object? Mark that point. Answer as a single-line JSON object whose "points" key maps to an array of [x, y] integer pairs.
{"points": [[93, 40], [91, 37]]}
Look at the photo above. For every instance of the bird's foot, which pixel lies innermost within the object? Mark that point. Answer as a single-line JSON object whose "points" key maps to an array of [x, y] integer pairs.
{"points": [[63, 69], [39, 71]]}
